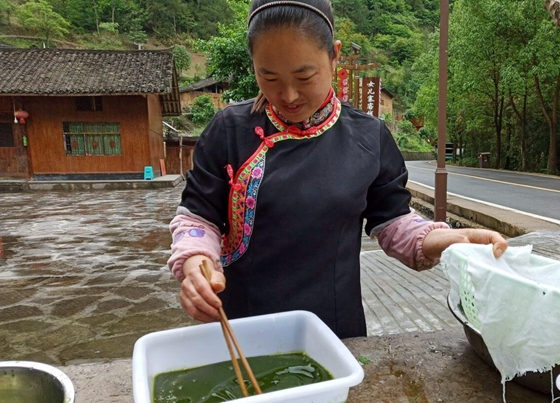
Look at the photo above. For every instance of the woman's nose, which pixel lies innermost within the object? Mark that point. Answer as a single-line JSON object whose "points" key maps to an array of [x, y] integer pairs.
{"points": [[289, 94]]}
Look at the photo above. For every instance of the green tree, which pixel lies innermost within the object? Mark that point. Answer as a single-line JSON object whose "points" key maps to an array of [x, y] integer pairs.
{"points": [[6, 10], [133, 25], [165, 17], [137, 35], [477, 27], [202, 110], [346, 33], [356, 11], [109, 34], [504, 83], [229, 59], [40, 17], [82, 14], [112, 10], [182, 58], [207, 15], [423, 85], [540, 57], [422, 69]]}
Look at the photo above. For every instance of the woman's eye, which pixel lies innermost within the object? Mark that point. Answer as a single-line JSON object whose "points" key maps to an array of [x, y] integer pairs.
{"points": [[271, 80], [305, 78]]}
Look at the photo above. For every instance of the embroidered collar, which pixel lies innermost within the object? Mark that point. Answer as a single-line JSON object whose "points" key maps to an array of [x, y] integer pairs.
{"points": [[324, 111]]}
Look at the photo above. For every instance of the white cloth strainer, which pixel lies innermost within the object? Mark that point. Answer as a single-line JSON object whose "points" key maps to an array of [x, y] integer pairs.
{"points": [[514, 302]]}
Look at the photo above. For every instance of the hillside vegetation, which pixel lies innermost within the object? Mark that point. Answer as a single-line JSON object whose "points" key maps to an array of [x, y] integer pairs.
{"points": [[503, 77]]}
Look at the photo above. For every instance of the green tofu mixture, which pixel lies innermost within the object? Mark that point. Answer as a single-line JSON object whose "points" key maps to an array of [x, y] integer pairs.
{"points": [[217, 382]]}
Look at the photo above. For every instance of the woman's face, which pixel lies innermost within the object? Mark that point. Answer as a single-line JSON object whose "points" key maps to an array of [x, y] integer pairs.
{"points": [[293, 72]]}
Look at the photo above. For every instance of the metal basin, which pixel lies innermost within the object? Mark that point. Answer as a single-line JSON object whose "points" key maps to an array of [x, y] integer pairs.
{"points": [[540, 382], [33, 382]]}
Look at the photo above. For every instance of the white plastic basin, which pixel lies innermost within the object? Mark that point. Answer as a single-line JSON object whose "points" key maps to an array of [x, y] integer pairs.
{"points": [[286, 332]]}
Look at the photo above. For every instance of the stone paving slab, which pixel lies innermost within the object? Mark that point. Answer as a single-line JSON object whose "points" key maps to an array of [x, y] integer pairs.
{"points": [[83, 274], [398, 300]]}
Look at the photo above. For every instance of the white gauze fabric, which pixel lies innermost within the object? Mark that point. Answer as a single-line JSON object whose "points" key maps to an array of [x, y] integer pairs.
{"points": [[518, 301]]}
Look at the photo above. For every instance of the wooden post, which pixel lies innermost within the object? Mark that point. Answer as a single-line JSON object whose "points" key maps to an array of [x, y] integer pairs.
{"points": [[440, 192], [181, 157], [357, 95]]}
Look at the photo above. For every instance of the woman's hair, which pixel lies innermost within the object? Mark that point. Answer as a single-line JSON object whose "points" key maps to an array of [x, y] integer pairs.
{"points": [[312, 18]]}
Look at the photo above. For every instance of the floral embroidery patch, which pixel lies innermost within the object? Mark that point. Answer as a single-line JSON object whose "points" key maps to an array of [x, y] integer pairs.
{"points": [[246, 182], [243, 204]]}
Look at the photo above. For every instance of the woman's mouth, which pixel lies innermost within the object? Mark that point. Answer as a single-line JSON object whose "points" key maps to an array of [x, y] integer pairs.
{"points": [[293, 108]]}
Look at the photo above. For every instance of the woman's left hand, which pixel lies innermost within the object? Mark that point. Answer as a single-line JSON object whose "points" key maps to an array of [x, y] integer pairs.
{"points": [[439, 239]]}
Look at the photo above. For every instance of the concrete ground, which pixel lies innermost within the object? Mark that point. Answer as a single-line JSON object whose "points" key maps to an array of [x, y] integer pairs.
{"points": [[83, 277]]}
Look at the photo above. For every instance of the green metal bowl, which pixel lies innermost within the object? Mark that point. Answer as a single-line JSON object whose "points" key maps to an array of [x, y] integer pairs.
{"points": [[33, 382]]}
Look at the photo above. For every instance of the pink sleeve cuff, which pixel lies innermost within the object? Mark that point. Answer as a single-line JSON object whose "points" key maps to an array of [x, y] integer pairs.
{"points": [[192, 236], [403, 239]]}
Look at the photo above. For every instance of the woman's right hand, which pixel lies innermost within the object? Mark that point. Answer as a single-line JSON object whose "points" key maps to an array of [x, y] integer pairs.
{"points": [[198, 297]]}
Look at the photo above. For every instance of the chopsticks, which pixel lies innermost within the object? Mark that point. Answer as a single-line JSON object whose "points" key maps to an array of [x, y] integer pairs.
{"points": [[229, 336]]}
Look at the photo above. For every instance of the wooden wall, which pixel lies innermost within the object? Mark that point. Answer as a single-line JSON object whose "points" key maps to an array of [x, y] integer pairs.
{"points": [[187, 99], [14, 161], [155, 132], [386, 104], [46, 146], [172, 156]]}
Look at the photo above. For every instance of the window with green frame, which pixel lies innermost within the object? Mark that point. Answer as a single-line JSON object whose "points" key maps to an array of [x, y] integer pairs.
{"points": [[92, 138]]}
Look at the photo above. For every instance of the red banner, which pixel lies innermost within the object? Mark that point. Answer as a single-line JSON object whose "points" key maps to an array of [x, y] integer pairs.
{"points": [[342, 93]]}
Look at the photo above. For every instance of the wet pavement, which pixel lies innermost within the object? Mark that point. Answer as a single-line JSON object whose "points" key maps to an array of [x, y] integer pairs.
{"points": [[83, 274]]}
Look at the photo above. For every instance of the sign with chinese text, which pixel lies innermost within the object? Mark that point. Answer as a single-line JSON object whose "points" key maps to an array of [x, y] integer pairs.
{"points": [[371, 95]]}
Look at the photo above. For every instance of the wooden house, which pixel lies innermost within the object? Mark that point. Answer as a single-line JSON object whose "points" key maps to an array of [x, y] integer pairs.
{"points": [[84, 114], [386, 103], [179, 154], [208, 86]]}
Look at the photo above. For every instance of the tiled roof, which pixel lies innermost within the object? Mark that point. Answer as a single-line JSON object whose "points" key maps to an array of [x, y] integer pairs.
{"points": [[198, 85], [385, 90], [553, 6], [85, 72]]}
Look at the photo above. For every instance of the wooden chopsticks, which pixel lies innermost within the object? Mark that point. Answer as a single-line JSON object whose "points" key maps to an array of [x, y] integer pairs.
{"points": [[230, 337]]}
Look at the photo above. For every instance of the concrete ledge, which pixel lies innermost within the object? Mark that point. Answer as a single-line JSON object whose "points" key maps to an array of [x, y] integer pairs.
{"points": [[435, 366], [11, 186], [506, 222], [7, 186], [417, 156]]}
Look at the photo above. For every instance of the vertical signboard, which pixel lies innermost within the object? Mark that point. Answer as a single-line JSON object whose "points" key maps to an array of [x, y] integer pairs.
{"points": [[371, 95]]}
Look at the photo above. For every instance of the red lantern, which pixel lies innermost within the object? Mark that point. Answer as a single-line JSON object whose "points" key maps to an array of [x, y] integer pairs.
{"points": [[21, 116]]}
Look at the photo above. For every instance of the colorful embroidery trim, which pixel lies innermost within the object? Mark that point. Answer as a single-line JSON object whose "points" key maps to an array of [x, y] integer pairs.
{"points": [[246, 182], [324, 112], [242, 209], [321, 128]]}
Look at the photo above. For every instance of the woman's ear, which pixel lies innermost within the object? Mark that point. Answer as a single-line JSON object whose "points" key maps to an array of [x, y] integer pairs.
{"points": [[337, 47]]}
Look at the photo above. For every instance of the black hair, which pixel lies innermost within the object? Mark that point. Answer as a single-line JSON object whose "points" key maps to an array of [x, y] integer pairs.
{"points": [[308, 22]]}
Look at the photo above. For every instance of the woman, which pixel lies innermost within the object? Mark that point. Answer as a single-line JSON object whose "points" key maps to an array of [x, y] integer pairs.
{"points": [[281, 186]]}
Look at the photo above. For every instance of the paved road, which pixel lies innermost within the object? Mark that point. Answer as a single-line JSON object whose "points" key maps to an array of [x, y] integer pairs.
{"points": [[530, 193]]}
